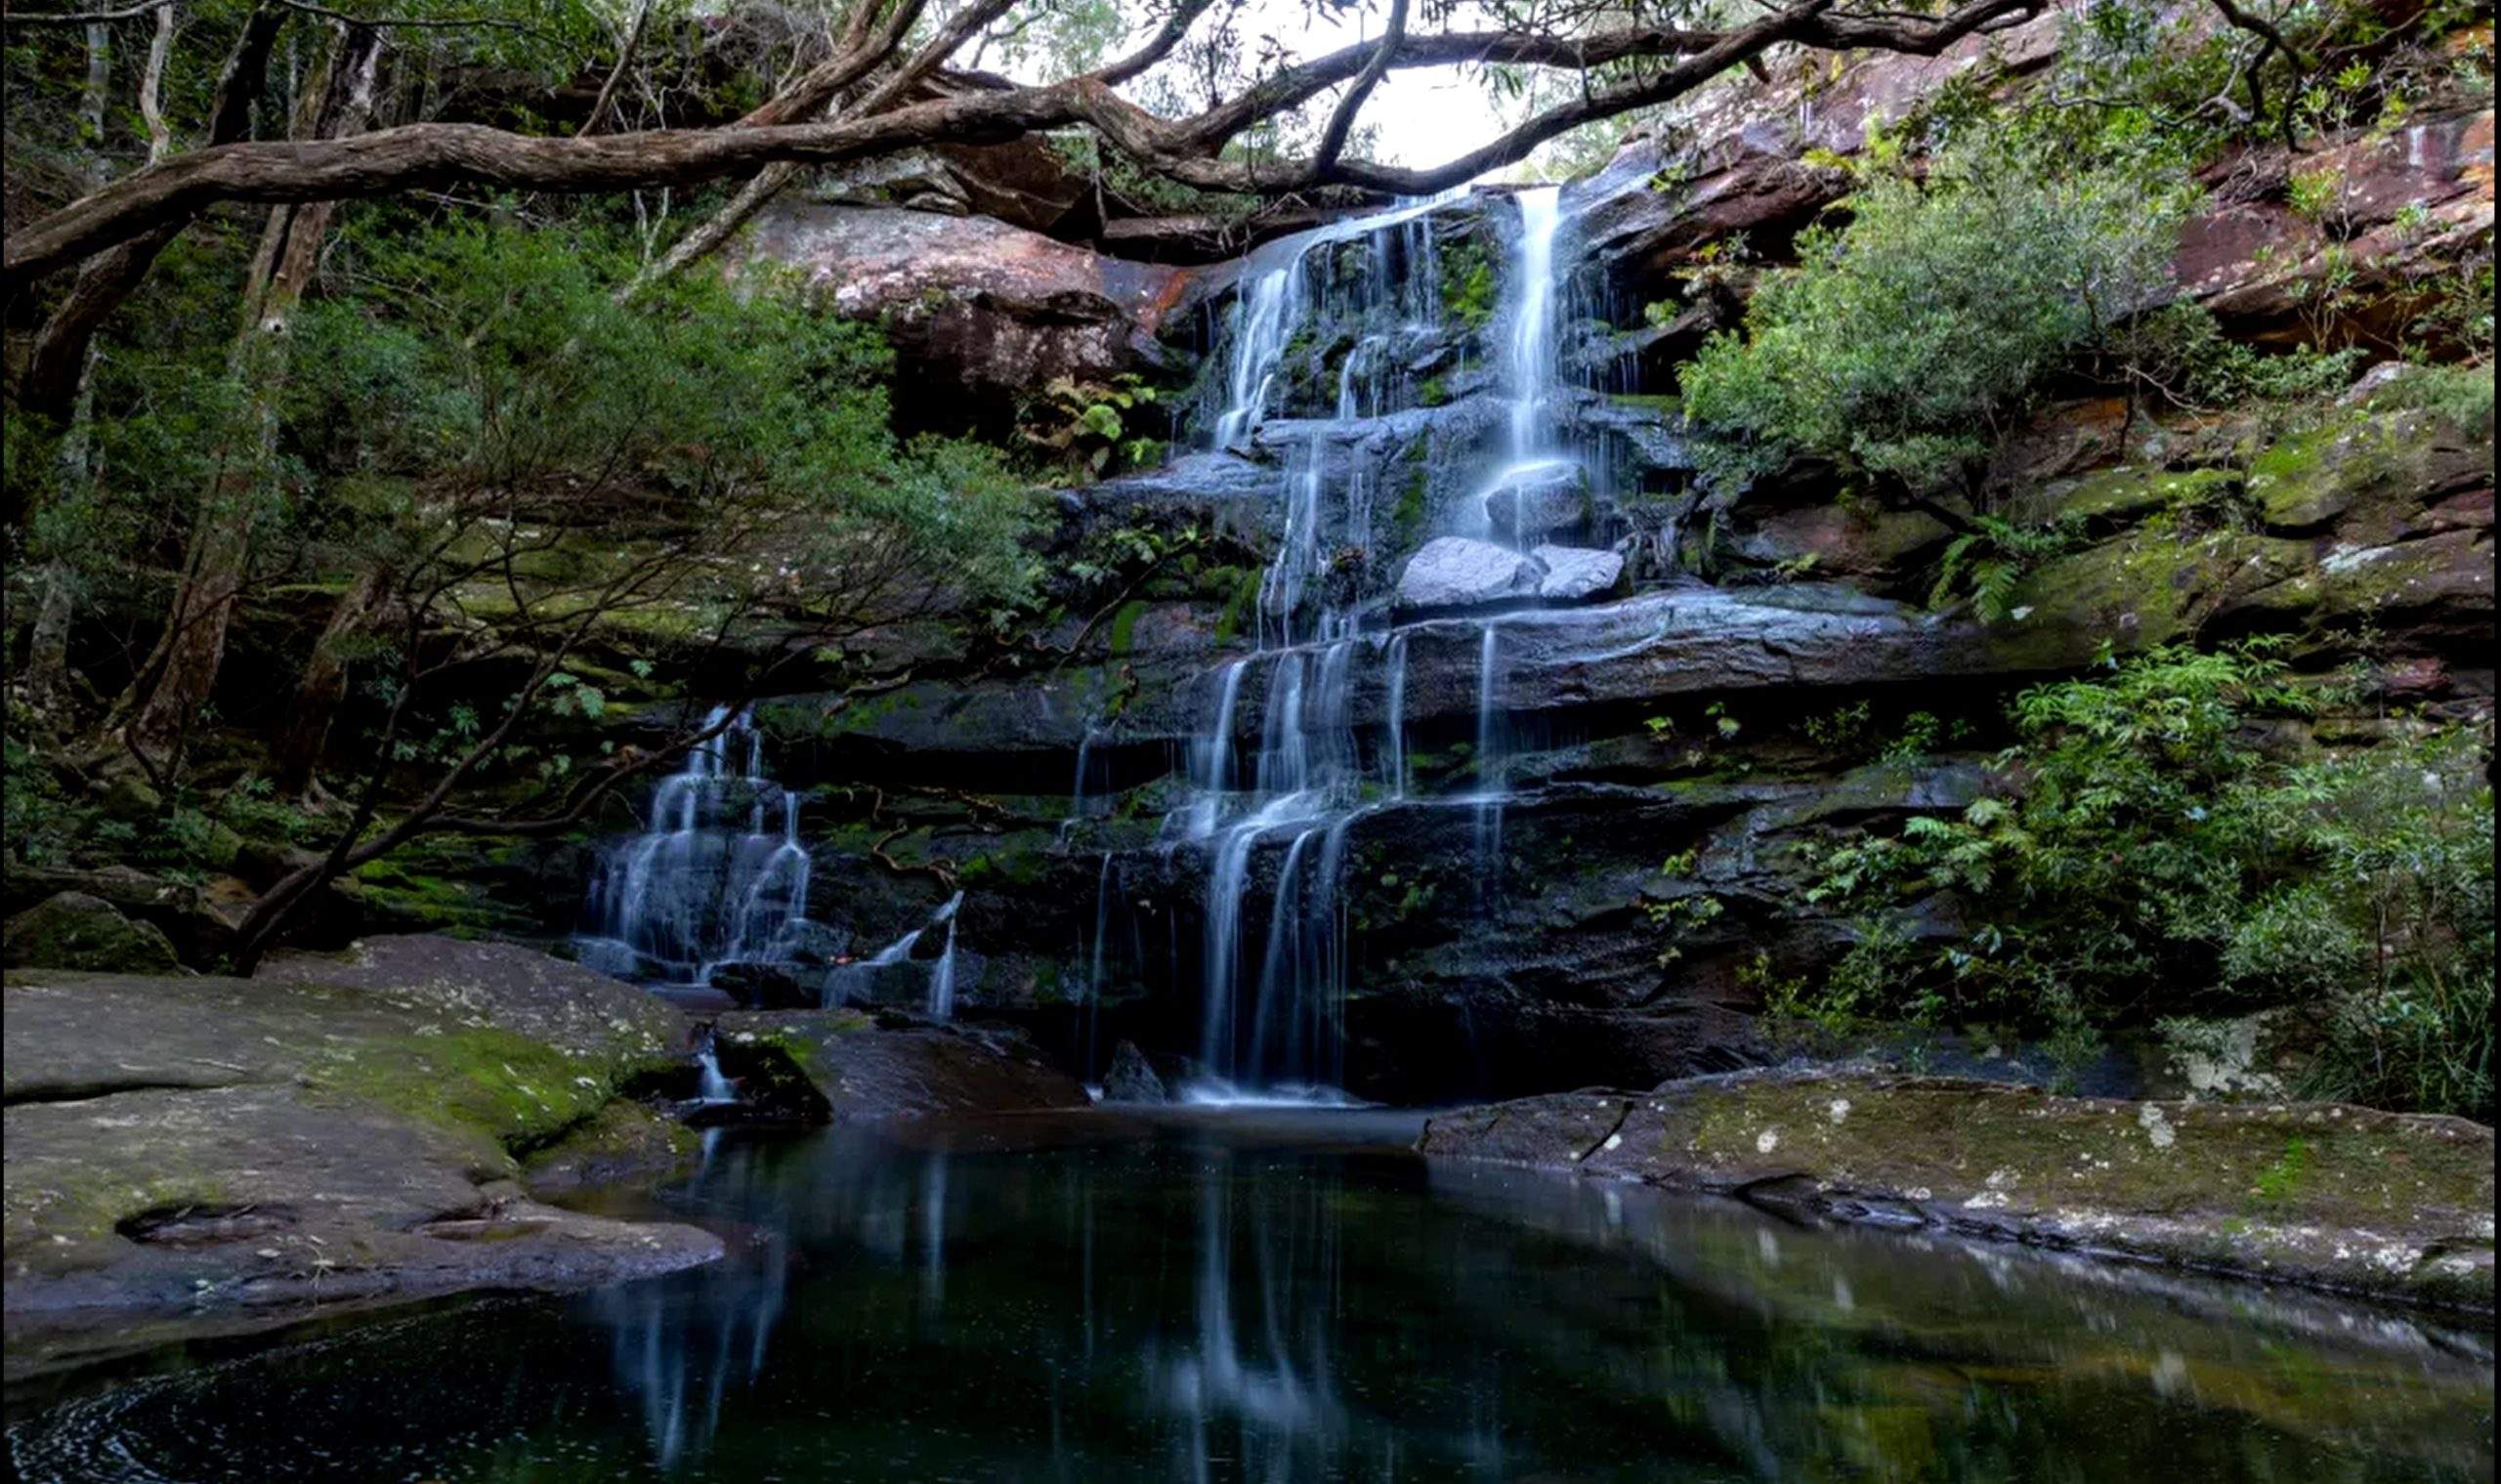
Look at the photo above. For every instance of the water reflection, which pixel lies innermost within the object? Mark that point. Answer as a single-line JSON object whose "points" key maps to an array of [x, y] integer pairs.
{"points": [[1284, 1298]]}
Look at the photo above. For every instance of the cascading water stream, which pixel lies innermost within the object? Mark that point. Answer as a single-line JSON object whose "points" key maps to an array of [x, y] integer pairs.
{"points": [[707, 883], [710, 1085], [1273, 1000], [941, 976], [1528, 358]]}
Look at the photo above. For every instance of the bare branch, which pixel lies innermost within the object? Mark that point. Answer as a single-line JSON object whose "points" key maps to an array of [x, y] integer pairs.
{"points": [[1332, 139]]}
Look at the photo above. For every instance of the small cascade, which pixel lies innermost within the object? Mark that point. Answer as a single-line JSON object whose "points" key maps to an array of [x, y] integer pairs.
{"points": [[1082, 803], [1098, 957], [719, 877], [942, 975], [1291, 285], [860, 981], [1394, 685], [710, 1085]]}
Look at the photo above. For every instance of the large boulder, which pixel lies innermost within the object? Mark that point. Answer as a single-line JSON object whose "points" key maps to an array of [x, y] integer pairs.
{"points": [[990, 310], [2325, 1195], [77, 931], [1131, 1079], [1577, 573], [1537, 499], [1462, 571]]}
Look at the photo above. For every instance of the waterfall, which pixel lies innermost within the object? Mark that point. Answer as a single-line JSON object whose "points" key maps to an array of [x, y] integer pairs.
{"points": [[1537, 459], [1528, 358], [710, 1085], [1098, 979], [1288, 287], [941, 976], [1395, 707], [1492, 785], [1368, 291], [706, 883]]}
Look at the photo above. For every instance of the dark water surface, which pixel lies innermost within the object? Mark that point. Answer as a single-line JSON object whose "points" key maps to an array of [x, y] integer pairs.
{"points": [[1291, 1296]]}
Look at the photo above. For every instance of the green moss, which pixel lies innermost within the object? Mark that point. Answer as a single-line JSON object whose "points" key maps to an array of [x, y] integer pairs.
{"points": [[622, 1141], [517, 1092], [1406, 517], [1124, 627], [2366, 1170], [1469, 291], [1239, 608]]}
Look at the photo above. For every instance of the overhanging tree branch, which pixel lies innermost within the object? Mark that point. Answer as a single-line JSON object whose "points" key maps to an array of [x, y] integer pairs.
{"points": [[437, 155]]}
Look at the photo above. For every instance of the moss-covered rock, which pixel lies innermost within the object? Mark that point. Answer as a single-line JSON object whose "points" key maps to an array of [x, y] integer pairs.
{"points": [[339, 1126], [2307, 479], [2325, 1195], [77, 931], [2151, 586], [623, 1143]]}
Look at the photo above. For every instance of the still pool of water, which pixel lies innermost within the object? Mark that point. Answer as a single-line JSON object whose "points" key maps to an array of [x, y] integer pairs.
{"points": [[1289, 1295]]}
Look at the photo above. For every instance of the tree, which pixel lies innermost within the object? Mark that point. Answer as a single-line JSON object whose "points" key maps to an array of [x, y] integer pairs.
{"points": [[873, 54]]}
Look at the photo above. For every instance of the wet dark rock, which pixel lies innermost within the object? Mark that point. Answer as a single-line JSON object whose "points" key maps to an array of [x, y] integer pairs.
{"points": [[2323, 1195], [867, 1073], [1131, 1079], [1539, 502], [77, 931], [764, 986]]}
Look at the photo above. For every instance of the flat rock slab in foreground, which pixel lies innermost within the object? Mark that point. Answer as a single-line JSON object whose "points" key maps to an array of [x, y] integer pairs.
{"points": [[335, 1130], [2394, 1204]]}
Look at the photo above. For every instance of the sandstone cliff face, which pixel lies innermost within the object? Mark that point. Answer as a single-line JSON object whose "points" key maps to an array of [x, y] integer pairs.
{"points": [[989, 310]]}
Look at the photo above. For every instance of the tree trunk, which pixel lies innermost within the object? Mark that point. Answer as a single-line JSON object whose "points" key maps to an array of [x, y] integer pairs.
{"points": [[195, 643], [324, 686], [56, 367]]}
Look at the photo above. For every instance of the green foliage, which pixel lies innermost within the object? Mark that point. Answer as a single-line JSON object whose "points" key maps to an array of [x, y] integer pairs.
{"points": [[2180, 348], [1988, 561], [1469, 291], [2150, 860], [1904, 342], [1083, 425]]}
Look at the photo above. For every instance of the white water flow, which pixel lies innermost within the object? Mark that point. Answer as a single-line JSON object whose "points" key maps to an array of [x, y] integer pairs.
{"points": [[1274, 826], [1492, 785], [942, 975], [710, 1085], [1289, 284], [1528, 359], [709, 881]]}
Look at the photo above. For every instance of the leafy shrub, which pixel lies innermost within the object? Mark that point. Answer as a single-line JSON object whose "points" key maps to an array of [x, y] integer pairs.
{"points": [[2146, 860], [1903, 342]]}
